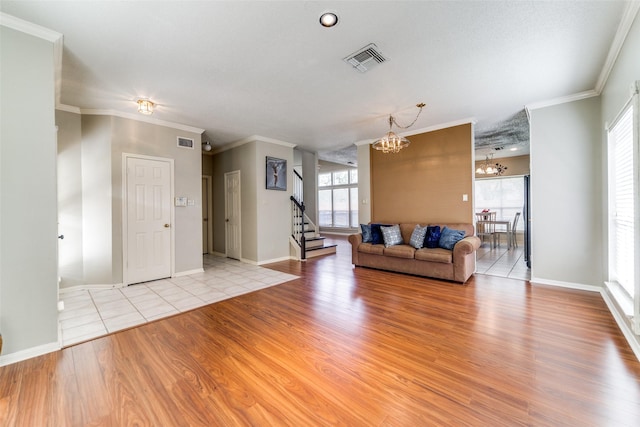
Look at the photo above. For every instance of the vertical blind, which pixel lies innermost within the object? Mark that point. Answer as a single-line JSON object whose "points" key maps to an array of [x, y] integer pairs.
{"points": [[622, 207]]}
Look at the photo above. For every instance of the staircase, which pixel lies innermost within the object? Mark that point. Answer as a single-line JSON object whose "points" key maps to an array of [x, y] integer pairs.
{"points": [[305, 237]]}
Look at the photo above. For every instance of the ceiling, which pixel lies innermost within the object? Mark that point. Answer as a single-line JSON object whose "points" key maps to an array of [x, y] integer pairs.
{"points": [[240, 69]]}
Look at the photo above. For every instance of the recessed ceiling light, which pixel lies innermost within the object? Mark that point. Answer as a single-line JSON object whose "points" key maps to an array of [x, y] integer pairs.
{"points": [[513, 149], [328, 19]]}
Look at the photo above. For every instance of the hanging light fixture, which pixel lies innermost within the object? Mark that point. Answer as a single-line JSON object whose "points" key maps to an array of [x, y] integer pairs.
{"points": [[485, 168], [391, 142], [206, 146], [145, 106]]}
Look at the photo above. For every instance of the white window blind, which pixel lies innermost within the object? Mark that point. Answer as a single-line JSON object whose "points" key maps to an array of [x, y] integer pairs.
{"points": [[622, 209]]}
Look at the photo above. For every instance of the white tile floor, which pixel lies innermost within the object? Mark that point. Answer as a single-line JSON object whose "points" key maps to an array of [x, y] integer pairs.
{"points": [[90, 314], [503, 262]]}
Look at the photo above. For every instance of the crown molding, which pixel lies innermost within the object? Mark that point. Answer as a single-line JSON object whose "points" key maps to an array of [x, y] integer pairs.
{"points": [[252, 138], [30, 28], [466, 121], [68, 108], [618, 41], [562, 100], [136, 117]]}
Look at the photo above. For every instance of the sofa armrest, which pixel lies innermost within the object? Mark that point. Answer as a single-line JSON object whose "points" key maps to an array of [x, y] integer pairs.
{"points": [[466, 246], [355, 240]]}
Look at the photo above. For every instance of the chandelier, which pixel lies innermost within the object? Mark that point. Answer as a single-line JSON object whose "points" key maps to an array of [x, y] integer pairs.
{"points": [[490, 168], [391, 142]]}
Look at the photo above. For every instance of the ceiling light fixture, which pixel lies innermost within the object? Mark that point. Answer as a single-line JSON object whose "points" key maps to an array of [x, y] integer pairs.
{"points": [[328, 19], [392, 143], [206, 146], [145, 106], [486, 168], [490, 169]]}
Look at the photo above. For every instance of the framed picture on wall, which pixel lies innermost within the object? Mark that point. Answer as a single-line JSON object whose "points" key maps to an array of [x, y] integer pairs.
{"points": [[276, 174]]}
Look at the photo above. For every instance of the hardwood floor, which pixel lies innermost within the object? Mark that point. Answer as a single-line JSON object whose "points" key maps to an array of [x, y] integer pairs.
{"points": [[346, 346]]}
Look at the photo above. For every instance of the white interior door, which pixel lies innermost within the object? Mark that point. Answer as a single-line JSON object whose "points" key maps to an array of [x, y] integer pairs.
{"points": [[148, 210], [232, 214]]}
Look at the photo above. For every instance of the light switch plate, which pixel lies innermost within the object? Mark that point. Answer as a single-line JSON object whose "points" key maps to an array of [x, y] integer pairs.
{"points": [[181, 201]]}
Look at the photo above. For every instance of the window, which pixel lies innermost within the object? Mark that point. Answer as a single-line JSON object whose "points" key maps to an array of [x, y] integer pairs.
{"points": [[623, 204], [505, 196], [338, 199]]}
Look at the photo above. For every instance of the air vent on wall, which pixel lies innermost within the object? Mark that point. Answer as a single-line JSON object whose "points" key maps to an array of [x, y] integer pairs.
{"points": [[365, 58]]}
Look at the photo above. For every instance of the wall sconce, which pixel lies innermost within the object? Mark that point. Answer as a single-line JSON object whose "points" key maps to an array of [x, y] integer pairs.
{"points": [[145, 106]]}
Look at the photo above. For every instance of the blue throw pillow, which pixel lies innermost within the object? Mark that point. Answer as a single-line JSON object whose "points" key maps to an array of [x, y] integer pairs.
{"points": [[391, 235], [432, 239], [366, 233], [417, 237], [449, 237], [376, 234]]}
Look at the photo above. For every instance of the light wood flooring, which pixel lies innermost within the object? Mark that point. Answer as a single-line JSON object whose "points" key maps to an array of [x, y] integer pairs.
{"points": [[345, 346]]}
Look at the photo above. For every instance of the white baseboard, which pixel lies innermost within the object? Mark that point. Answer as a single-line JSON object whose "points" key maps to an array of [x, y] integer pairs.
{"points": [[188, 272], [570, 285], [631, 338], [269, 261], [28, 353]]}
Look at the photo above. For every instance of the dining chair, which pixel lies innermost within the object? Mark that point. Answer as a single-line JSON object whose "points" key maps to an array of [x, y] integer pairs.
{"points": [[486, 230], [511, 234]]}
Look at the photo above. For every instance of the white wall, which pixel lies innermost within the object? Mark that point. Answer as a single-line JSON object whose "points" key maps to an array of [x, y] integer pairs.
{"points": [[364, 184], [241, 159], [274, 206], [28, 201], [566, 194], [97, 220], [266, 214], [614, 96], [90, 158], [71, 266], [134, 137]]}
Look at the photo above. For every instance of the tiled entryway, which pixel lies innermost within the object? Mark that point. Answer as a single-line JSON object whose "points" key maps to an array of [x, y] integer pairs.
{"points": [[90, 314], [502, 261]]}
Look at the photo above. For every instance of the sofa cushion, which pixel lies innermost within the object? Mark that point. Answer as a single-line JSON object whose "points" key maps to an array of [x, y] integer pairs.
{"points": [[449, 237], [434, 255], [370, 248], [366, 233], [391, 235], [400, 251], [417, 237], [432, 238], [376, 233]]}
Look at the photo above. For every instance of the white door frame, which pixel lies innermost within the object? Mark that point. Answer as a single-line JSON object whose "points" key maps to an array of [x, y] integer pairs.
{"points": [[226, 206], [125, 227], [209, 208]]}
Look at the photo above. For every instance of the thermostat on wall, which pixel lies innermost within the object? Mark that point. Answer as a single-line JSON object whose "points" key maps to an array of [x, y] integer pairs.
{"points": [[181, 201]]}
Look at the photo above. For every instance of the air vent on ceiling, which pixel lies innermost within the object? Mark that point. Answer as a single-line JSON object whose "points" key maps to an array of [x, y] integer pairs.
{"points": [[365, 58]]}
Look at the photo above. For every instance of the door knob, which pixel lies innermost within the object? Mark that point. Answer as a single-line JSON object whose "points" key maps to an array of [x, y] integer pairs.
{"points": [[167, 226]]}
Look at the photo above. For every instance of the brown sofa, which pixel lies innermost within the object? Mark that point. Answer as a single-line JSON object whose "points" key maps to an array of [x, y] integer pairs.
{"points": [[456, 265]]}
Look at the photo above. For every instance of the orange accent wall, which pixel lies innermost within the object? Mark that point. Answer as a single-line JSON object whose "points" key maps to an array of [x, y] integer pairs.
{"points": [[425, 182]]}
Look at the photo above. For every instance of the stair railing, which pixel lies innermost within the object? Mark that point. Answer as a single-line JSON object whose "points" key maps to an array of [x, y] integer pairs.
{"points": [[297, 224], [298, 187]]}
